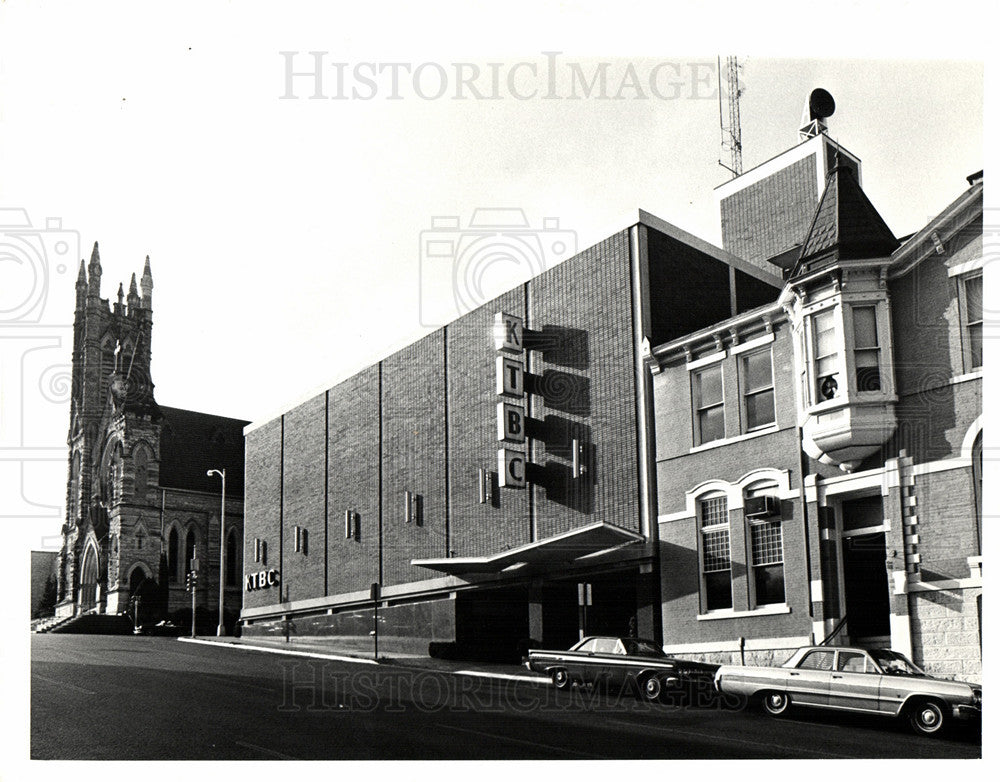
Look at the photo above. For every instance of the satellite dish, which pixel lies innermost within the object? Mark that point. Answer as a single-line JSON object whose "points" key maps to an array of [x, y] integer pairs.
{"points": [[821, 104]]}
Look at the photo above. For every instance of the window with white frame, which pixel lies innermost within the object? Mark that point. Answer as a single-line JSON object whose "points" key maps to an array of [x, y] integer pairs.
{"points": [[716, 564], [710, 418], [826, 354], [758, 389], [971, 313], [767, 560], [867, 352]]}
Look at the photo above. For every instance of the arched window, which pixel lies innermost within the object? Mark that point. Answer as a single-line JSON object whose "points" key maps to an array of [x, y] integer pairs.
{"points": [[232, 559], [172, 554], [189, 545], [108, 345]]}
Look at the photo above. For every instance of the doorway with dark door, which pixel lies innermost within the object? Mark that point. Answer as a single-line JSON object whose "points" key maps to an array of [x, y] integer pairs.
{"points": [[866, 589]]}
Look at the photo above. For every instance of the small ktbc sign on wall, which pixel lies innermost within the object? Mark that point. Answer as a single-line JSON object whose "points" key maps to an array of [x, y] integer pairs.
{"points": [[508, 337], [262, 579]]}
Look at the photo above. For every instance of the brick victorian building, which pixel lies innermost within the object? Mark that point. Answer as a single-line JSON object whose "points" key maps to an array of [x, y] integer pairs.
{"points": [[731, 451], [819, 459], [139, 502]]}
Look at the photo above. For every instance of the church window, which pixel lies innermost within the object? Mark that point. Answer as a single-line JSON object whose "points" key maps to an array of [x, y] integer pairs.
{"points": [[172, 546]]}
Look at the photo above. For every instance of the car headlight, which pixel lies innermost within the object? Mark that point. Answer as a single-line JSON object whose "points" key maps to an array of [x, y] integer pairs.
{"points": [[977, 698]]}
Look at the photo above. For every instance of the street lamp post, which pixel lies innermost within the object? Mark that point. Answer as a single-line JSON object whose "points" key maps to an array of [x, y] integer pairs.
{"points": [[220, 630]]}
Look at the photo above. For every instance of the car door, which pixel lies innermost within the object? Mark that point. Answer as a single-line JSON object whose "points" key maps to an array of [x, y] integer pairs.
{"points": [[809, 681], [855, 683]]}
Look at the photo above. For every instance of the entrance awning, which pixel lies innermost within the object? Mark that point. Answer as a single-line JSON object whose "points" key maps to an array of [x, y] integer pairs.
{"points": [[562, 549]]}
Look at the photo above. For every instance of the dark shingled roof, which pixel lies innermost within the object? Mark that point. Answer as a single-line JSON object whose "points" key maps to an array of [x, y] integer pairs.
{"points": [[846, 226], [192, 443]]}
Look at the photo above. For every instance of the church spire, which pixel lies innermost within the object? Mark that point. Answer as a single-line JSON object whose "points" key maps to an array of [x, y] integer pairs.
{"points": [[95, 273], [81, 285], [133, 296], [120, 306], [146, 283]]}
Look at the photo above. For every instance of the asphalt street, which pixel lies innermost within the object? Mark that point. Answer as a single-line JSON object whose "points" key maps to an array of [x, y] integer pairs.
{"points": [[118, 697]]}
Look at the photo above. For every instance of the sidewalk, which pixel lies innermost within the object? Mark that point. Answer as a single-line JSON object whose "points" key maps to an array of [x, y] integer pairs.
{"points": [[318, 650]]}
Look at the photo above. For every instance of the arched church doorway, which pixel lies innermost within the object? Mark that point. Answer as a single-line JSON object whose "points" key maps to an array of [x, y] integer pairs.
{"points": [[88, 580]]}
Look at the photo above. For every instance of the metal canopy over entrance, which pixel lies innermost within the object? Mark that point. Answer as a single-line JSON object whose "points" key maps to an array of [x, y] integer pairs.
{"points": [[559, 550]]}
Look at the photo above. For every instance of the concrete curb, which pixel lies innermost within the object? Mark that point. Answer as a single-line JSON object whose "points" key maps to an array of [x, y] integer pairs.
{"points": [[292, 652], [542, 680]]}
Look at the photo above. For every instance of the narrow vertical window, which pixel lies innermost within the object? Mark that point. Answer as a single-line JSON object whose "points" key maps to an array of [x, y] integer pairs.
{"points": [[767, 560], [866, 350], [232, 562], [189, 546], [172, 551], [974, 321], [709, 414], [716, 562], [827, 358], [758, 389]]}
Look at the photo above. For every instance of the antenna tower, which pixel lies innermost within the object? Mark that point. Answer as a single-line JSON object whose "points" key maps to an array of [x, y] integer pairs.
{"points": [[731, 138]]}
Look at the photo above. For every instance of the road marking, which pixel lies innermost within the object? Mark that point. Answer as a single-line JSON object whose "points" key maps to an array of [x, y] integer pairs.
{"points": [[510, 739], [63, 684], [508, 676], [274, 752], [732, 740], [250, 648]]}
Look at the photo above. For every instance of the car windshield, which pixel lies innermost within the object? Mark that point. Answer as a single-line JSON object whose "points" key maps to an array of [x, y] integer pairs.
{"points": [[642, 647], [895, 664]]}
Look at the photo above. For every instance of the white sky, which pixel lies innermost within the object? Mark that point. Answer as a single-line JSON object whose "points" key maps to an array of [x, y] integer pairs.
{"points": [[285, 235]]}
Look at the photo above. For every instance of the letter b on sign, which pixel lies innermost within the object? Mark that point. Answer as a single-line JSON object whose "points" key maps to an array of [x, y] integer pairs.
{"points": [[510, 423]]}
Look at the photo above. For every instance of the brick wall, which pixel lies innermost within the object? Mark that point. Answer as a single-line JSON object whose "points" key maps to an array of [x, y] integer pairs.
{"points": [[583, 309], [354, 481], [479, 528], [771, 215], [413, 432], [263, 505], [304, 470]]}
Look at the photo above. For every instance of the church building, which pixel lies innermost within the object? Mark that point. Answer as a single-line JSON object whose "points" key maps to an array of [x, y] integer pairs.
{"points": [[141, 504]]}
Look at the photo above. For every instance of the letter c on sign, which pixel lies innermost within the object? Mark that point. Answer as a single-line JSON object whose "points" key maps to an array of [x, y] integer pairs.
{"points": [[272, 577]]}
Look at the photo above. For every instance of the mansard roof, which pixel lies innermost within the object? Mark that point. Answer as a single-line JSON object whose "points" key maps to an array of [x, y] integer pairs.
{"points": [[192, 443]]}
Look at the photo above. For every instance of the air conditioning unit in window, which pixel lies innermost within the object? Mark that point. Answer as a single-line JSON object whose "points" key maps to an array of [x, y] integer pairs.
{"points": [[761, 507]]}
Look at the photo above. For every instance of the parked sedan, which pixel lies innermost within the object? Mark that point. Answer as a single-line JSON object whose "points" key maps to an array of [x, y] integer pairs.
{"points": [[876, 681], [619, 662]]}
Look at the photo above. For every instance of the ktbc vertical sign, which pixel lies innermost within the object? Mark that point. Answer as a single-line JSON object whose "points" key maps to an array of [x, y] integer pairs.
{"points": [[508, 336]]}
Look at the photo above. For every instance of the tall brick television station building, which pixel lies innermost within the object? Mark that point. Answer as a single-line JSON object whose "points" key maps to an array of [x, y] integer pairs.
{"points": [[733, 451]]}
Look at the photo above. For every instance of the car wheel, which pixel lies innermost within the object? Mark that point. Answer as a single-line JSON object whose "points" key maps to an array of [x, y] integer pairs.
{"points": [[927, 717], [775, 703], [652, 688], [560, 678]]}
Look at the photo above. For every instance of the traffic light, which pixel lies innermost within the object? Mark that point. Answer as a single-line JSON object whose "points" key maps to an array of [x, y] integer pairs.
{"points": [[191, 581]]}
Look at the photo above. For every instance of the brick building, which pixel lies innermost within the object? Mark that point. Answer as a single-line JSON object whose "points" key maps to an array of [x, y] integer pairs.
{"points": [[819, 458], [495, 484], [139, 502], [732, 451]]}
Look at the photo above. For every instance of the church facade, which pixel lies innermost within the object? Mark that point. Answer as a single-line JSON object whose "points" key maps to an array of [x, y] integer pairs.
{"points": [[140, 503]]}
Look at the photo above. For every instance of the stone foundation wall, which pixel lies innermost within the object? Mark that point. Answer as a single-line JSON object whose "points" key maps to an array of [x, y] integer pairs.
{"points": [[946, 631]]}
